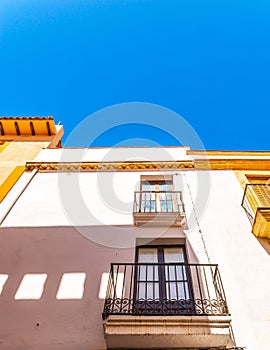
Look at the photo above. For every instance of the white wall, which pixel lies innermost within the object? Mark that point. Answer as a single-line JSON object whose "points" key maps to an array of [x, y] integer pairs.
{"points": [[101, 204], [117, 154], [103, 198]]}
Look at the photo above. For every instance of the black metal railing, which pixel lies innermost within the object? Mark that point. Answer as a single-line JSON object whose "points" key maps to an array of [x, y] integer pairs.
{"points": [[158, 202], [164, 289], [255, 196]]}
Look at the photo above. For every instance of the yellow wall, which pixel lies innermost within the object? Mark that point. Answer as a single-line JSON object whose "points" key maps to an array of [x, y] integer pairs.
{"points": [[12, 162]]}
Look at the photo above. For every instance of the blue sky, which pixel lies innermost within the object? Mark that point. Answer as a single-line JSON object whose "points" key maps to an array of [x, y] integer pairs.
{"points": [[209, 61]]}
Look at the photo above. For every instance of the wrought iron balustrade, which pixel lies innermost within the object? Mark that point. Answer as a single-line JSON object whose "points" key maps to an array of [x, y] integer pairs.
{"points": [[164, 289], [158, 202], [255, 196]]}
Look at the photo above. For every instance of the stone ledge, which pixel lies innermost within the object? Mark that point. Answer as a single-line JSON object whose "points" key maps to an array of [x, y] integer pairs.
{"points": [[153, 332]]}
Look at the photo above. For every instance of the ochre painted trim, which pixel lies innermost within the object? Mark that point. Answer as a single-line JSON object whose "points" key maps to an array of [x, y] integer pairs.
{"points": [[107, 166], [233, 164], [229, 153], [10, 181], [4, 146]]}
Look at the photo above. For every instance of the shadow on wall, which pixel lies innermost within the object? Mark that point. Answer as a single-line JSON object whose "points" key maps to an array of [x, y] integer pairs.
{"points": [[49, 288], [265, 244]]}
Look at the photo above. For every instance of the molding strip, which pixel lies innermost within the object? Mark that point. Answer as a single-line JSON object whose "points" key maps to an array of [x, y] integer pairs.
{"points": [[108, 166], [197, 164]]}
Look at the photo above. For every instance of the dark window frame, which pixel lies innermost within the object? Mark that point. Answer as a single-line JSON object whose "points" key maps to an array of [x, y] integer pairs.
{"points": [[163, 297]]}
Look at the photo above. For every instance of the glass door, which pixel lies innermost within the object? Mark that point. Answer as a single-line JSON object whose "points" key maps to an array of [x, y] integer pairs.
{"points": [[157, 196], [148, 274], [162, 283], [175, 274]]}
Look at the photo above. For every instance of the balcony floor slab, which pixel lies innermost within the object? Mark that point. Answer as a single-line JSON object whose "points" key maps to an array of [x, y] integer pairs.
{"points": [[173, 332]]}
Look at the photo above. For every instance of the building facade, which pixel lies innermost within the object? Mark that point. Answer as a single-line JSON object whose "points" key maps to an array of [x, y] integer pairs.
{"points": [[137, 248]]}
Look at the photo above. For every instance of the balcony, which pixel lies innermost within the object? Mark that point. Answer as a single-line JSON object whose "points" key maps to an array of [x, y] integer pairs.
{"points": [[159, 208], [166, 305], [256, 202]]}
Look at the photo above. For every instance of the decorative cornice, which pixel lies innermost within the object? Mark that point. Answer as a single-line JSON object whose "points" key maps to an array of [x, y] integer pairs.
{"points": [[108, 166], [198, 164]]}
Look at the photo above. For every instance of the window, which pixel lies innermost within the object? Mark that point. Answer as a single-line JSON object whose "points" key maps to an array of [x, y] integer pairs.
{"points": [[157, 203], [162, 280], [256, 203], [260, 186], [157, 196]]}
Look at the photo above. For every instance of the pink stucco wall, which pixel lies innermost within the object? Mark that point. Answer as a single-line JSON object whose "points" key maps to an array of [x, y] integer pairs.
{"points": [[49, 323]]}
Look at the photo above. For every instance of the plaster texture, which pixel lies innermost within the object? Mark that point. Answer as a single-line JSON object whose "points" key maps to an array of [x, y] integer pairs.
{"points": [[72, 222]]}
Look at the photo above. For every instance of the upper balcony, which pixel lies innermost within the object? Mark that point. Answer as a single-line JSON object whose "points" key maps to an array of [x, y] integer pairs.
{"points": [[159, 208], [166, 305], [256, 202]]}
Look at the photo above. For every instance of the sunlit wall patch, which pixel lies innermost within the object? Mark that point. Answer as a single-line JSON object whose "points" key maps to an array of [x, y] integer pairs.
{"points": [[3, 279], [31, 286], [71, 286]]}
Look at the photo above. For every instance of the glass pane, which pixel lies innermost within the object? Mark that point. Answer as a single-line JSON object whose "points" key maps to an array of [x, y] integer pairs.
{"points": [[162, 196], [146, 206], [148, 186], [171, 290], [148, 202], [174, 254], [147, 273], [181, 273], [182, 288], [166, 205], [177, 290], [147, 255], [166, 196], [174, 272], [152, 291], [165, 187], [141, 290], [148, 290]]}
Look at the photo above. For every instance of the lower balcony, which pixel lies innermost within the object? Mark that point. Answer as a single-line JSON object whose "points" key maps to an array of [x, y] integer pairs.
{"points": [[256, 202], [170, 305]]}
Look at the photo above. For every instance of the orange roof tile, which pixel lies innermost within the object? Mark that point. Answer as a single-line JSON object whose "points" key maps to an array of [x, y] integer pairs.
{"points": [[26, 118]]}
